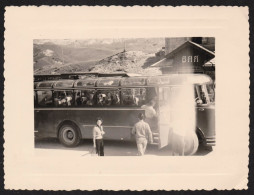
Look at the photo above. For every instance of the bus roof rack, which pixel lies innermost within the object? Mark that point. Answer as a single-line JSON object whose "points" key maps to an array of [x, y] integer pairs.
{"points": [[133, 74], [81, 75]]}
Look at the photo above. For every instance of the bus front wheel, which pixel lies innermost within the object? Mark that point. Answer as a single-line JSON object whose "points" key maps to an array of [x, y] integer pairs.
{"points": [[69, 135], [191, 144]]}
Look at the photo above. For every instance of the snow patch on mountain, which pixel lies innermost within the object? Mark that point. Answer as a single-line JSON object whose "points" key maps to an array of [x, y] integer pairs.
{"points": [[48, 52]]}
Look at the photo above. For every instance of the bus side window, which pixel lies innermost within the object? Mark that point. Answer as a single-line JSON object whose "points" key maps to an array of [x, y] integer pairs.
{"points": [[35, 98], [63, 98], [134, 96], [90, 98], [127, 98], [116, 97], [85, 98], [44, 98], [108, 97], [151, 94], [164, 95], [78, 98]]}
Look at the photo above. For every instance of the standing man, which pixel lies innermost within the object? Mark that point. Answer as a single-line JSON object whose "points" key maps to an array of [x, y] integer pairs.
{"points": [[143, 133]]}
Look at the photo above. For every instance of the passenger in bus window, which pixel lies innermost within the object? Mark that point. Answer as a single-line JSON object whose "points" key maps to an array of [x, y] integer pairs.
{"points": [[134, 97], [84, 100], [116, 99], [125, 97], [135, 100], [59, 97], [101, 99], [90, 101], [126, 100], [108, 99], [143, 134], [84, 97], [78, 98], [62, 99], [140, 96], [56, 100], [47, 101], [62, 102], [203, 97], [199, 101], [211, 93], [131, 97], [69, 99]]}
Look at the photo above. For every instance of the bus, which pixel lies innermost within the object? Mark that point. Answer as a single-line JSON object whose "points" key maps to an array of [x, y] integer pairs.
{"points": [[67, 108]]}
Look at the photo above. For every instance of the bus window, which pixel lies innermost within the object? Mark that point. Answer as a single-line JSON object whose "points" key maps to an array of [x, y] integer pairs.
{"points": [[211, 94], [85, 97], [35, 102], [164, 93], [202, 95], [44, 98], [63, 98], [134, 96], [108, 97], [151, 94], [172, 96]]}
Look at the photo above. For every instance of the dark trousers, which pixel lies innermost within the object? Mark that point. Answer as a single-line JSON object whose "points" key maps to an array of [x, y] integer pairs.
{"points": [[99, 147]]}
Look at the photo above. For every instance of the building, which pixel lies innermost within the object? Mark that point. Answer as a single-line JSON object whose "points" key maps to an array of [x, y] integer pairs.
{"points": [[172, 43], [188, 55]]}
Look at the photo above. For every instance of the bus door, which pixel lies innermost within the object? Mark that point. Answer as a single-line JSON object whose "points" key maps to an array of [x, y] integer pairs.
{"points": [[43, 99], [205, 110], [164, 116]]}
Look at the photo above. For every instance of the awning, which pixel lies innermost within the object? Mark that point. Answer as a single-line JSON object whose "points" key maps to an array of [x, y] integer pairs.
{"points": [[210, 63]]}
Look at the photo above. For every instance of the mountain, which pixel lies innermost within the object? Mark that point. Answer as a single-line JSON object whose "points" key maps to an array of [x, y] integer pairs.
{"points": [[60, 56], [130, 61]]}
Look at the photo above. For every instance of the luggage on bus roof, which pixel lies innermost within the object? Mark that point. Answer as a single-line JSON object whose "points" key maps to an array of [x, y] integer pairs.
{"points": [[90, 82], [133, 81], [45, 84], [63, 84]]}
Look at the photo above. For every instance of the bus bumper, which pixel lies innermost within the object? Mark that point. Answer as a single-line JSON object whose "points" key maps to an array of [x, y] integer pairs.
{"points": [[210, 141]]}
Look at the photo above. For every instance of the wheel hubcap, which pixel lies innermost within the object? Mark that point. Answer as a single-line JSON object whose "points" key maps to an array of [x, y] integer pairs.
{"points": [[70, 135]]}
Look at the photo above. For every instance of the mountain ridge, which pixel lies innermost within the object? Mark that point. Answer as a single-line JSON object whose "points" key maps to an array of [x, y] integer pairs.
{"points": [[86, 55]]}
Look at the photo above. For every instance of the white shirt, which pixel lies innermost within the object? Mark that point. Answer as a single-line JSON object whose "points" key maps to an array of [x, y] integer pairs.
{"points": [[149, 111], [98, 132]]}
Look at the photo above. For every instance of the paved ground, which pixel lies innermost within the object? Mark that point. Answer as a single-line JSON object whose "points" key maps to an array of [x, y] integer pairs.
{"points": [[112, 148]]}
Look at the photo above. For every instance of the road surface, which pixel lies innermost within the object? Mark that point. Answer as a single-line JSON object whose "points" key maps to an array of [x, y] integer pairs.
{"points": [[112, 148]]}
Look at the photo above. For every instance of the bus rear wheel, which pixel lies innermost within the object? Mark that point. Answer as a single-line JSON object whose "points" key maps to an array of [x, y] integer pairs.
{"points": [[69, 135]]}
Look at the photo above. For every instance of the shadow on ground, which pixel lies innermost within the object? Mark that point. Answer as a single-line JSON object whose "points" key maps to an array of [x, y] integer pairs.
{"points": [[112, 148]]}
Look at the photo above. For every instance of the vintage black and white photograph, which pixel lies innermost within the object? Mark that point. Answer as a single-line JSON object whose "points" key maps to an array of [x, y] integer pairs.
{"points": [[125, 96]]}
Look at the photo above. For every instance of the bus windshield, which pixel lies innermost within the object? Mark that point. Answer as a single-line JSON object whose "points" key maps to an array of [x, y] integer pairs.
{"points": [[204, 94], [211, 93]]}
